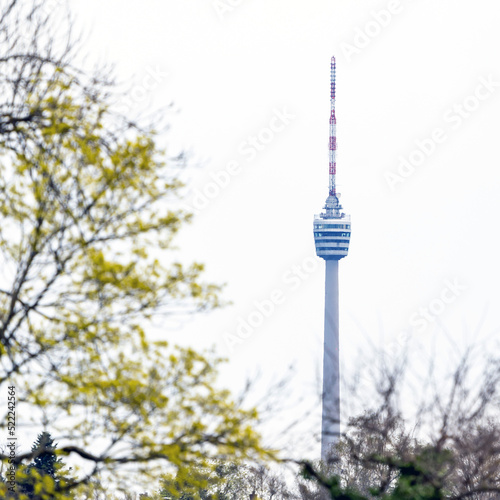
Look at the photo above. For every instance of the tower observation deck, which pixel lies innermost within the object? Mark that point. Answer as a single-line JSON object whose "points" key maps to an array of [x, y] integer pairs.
{"points": [[332, 233], [332, 236]]}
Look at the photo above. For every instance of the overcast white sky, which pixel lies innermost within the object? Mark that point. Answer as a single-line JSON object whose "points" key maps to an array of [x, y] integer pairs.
{"points": [[424, 71]]}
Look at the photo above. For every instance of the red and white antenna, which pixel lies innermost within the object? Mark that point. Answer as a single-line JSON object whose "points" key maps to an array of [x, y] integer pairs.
{"points": [[332, 205], [333, 132]]}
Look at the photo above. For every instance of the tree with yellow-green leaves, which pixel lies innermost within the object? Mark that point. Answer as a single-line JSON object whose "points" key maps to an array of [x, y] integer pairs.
{"points": [[86, 223]]}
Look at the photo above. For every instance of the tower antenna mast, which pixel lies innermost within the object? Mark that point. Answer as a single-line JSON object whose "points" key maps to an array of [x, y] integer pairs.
{"points": [[333, 130], [332, 205]]}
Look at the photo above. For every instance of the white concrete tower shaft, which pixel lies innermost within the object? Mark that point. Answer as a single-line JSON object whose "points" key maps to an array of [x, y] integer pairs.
{"points": [[330, 419], [332, 233]]}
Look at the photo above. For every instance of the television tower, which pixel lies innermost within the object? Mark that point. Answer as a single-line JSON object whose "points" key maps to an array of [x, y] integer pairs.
{"points": [[332, 232]]}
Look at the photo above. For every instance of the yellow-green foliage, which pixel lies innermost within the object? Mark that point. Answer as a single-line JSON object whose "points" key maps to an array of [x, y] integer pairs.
{"points": [[84, 214]]}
